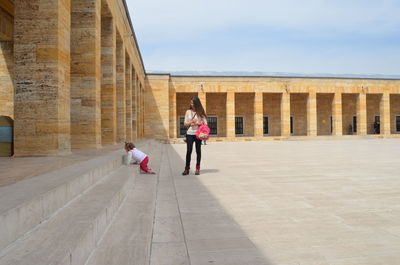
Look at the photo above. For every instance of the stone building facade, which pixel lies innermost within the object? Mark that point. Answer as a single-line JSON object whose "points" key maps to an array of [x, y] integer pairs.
{"points": [[72, 77], [262, 108], [71, 74]]}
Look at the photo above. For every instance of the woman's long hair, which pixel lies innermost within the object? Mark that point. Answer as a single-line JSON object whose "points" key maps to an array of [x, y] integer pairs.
{"points": [[198, 108]]}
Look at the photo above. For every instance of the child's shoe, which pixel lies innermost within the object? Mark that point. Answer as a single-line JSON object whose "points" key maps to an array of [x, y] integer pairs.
{"points": [[197, 172]]}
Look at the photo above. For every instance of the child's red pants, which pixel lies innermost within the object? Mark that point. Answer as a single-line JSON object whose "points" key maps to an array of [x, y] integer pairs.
{"points": [[143, 164]]}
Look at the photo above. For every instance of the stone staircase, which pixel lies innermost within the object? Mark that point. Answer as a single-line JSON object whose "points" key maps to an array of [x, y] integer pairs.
{"points": [[61, 217]]}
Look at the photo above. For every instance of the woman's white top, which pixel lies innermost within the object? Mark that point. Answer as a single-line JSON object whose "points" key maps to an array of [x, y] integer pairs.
{"points": [[189, 117], [135, 155]]}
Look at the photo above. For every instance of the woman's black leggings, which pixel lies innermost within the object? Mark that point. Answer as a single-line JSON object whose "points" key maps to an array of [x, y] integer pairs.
{"points": [[189, 147]]}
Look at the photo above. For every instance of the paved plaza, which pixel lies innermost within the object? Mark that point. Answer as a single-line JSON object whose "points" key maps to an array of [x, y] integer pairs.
{"points": [[305, 202], [319, 202]]}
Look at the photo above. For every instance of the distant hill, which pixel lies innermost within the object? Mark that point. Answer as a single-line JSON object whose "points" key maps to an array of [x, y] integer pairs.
{"points": [[270, 74]]}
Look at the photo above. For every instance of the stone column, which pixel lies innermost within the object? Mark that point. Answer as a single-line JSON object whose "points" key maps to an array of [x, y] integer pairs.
{"points": [[134, 105], [202, 97], [362, 114], [385, 114], [285, 114], [139, 110], [142, 96], [139, 113], [337, 114], [128, 85], [312, 114], [258, 115], [42, 77], [230, 114], [121, 108], [108, 81], [85, 74], [173, 130]]}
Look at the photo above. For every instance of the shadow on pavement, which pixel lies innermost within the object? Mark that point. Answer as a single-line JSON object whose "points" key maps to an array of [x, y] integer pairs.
{"points": [[210, 234]]}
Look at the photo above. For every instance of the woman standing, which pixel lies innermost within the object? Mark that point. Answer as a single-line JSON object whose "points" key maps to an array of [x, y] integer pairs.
{"points": [[194, 117]]}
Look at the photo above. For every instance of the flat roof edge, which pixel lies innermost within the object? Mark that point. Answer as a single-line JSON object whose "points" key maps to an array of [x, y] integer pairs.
{"points": [[282, 77]]}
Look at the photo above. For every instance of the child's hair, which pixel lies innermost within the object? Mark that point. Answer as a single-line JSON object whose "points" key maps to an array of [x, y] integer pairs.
{"points": [[129, 146]]}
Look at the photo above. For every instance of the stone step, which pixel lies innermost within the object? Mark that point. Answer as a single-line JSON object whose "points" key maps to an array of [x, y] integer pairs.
{"points": [[128, 241], [71, 235], [26, 204]]}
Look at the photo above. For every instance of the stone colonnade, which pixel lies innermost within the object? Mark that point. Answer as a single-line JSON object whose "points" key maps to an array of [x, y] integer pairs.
{"points": [[298, 114], [78, 76], [259, 107]]}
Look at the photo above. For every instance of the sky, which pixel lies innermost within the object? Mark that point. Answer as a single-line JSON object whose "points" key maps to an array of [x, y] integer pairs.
{"points": [[360, 37]]}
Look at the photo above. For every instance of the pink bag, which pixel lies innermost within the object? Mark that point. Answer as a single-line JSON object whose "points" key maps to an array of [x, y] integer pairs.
{"points": [[203, 132]]}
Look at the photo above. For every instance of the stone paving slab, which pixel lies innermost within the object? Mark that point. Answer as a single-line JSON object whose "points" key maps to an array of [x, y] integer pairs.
{"points": [[287, 203], [322, 202]]}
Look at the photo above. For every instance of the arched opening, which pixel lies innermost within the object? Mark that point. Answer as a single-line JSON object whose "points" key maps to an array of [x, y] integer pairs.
{"points": [[6, 136]]}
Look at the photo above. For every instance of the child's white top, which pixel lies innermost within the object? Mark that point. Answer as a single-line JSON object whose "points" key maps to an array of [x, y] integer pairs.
{"points": [[136, 155]]}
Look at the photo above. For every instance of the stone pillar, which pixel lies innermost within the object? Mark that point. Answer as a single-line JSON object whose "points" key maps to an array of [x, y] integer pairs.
{"points": [[108, 81], [230, 114], [385, 114], [337, 114], [312, 114], [173, 130], [121, 108], [42, 77], [362, 114], [258, 115], [285, 114], [128, 85], [202, 97], [142, 110], [139, 109], [134, 105], [85, 74]]}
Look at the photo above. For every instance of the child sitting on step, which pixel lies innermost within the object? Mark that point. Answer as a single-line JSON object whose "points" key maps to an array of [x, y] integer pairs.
{"points": [[135, 156]]}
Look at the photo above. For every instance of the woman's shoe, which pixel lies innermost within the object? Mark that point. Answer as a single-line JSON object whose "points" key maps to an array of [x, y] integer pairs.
{"points": [[197, 172], [186, 171]]}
